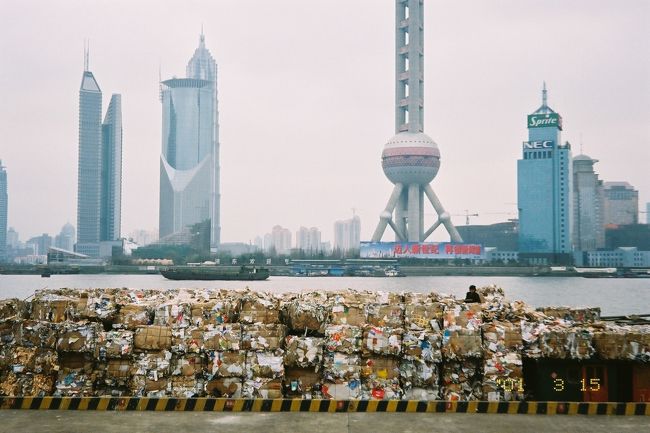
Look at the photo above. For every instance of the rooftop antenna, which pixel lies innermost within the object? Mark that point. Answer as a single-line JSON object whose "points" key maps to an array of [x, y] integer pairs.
{"points": [[202, 35], [160, 91], [581, 144], [544, 95], [86, 54]]}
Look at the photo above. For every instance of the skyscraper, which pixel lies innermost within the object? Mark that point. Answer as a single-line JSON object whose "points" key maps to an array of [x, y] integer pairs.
{"points": [[4, 202], [99, 184], [189, 162], [588, 228], [621, 204], [111, 198], [544, 195]]}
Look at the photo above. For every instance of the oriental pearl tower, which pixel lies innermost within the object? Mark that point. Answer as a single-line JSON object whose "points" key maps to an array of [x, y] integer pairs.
{"points": [[410, 159]]}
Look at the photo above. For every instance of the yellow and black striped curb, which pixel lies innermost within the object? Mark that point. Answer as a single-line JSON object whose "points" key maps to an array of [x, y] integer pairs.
{"points": [[280, 405]]}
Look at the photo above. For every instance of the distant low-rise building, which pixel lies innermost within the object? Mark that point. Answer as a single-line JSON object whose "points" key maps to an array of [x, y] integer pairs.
{"points": [[625, 257], [630, 235], [40, 244]]}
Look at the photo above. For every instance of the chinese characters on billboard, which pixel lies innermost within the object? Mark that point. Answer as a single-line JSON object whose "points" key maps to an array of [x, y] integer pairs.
{"points": [[420, 250]]}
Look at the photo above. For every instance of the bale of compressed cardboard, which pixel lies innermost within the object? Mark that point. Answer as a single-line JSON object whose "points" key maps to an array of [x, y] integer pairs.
{"points": [[35, 333], [343, 338], [502, 337], [114, 344], [13, 309], [269, 364], [33, 360], [459, 315], [130, 316], [422, 345], [303, 351], [267, 337], [78, 337], [97, 305], [572, 314], [385, 315], [187, 386], [307, 315], [226, 363], [382, 341], [259, 307], [419, 374], [262, 387], [153, 365], [188, 365], [54, 309], [225, 387], [26, 385], [173, 314], [423, 316], [153, 337], [215, 311], [143, 386], [461, 344], [461, 381], [341, 366]]}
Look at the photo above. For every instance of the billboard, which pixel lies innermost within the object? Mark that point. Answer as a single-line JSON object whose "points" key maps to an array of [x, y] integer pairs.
{"points": [[542, 144], [544, 120], [420, 250]]}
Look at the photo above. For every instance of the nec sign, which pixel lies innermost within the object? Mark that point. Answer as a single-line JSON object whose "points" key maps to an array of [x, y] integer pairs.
{"points": [[547, 144], [545, 120]]}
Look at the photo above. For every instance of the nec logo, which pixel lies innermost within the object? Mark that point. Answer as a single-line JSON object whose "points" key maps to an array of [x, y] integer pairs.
{"points": [[547, 144]]}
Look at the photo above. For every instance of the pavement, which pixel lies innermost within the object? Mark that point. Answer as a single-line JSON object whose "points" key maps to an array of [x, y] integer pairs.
{"points": [[25, 421]]}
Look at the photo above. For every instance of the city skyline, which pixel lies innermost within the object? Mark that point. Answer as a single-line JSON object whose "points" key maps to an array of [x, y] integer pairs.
{"points": [[279, 105]]}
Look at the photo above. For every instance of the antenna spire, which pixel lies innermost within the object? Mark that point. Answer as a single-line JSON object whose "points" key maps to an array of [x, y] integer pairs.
{"points": [[86, 54], [544, 95], [202, 38]]}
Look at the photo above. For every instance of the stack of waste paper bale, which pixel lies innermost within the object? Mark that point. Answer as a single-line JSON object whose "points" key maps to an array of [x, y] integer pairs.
{"points": [[345, 344]]}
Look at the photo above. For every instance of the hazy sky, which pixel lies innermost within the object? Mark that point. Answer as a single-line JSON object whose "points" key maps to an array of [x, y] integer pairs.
{"points": [[306, 101]]}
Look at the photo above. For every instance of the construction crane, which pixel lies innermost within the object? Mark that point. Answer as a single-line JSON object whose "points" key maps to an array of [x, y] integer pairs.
{"points": [[466, 215]]}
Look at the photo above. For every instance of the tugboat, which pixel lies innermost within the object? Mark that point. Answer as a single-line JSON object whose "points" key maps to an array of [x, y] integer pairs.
{"points": [[244, 273]]}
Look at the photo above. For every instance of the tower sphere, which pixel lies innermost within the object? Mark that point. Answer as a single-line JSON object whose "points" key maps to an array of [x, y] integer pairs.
{"points": [[410, 157]]}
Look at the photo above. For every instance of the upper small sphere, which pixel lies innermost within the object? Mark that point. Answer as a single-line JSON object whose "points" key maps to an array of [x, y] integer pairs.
{"points": [[410, 157]]}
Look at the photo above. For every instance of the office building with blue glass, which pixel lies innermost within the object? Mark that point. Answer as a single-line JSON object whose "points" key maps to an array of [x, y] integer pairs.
{"points": [[189, 161], [99, 182], [544, 193]]}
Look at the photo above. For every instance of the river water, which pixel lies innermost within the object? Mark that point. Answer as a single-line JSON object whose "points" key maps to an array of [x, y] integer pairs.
{"points": [[615, 296]]}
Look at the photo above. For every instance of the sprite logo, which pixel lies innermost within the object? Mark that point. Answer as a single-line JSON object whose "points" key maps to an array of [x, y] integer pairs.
{"points": [[544, 120]]}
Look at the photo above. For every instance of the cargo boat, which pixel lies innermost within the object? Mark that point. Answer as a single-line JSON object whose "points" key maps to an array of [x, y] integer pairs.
{"points": [[244, 273]]}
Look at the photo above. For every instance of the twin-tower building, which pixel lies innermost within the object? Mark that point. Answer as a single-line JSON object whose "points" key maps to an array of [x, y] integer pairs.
{"points": [[189, 161]]}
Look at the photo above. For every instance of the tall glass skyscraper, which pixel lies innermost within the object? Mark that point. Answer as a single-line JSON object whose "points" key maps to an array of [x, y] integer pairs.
{"points": [[99, 185], [4, 204], [544, 191], [189, 162]]}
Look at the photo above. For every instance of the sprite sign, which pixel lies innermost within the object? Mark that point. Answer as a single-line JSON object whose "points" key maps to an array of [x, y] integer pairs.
{"points": [[545, 120]]}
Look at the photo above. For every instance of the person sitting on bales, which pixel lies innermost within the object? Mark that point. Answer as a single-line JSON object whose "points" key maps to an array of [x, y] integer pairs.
{"points": [[472, 295]]}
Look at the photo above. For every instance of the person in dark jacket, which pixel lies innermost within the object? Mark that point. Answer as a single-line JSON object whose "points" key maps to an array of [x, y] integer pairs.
{"points": [[472, 295]]}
